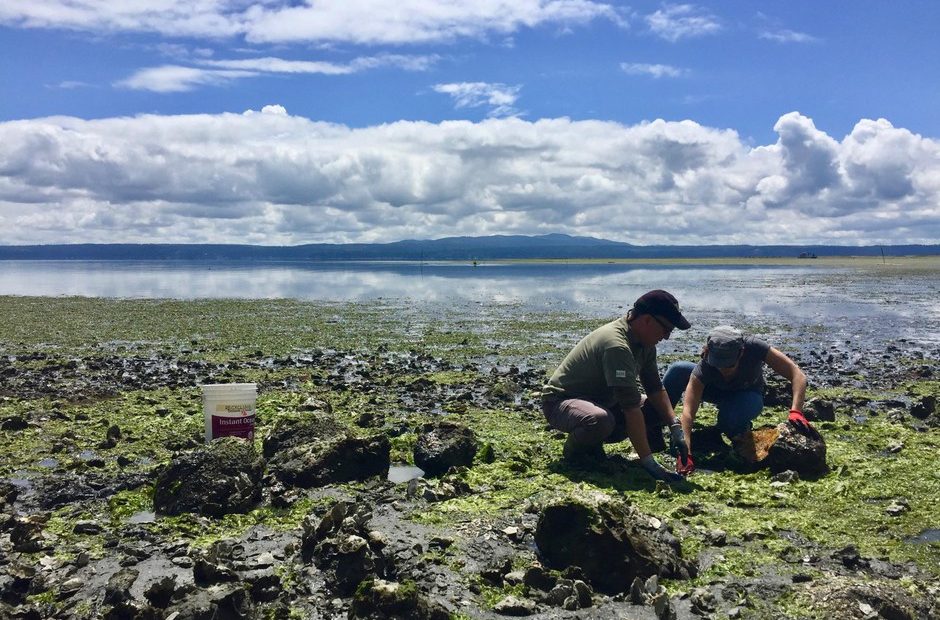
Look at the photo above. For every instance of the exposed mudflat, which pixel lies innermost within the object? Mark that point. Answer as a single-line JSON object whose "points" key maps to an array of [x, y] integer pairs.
{"points": [[98, 397]]}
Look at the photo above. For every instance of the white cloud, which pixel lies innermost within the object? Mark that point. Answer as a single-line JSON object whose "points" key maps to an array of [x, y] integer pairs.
{"points": [[280, 65], [71, 84], [682, 21], [415, 21], [653, 70], [169, 17], [279, 21], [269, 177], [176, 78], [500, 97], [787, 36]]}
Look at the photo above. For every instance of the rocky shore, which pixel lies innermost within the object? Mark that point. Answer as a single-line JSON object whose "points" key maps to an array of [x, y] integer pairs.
{"points": [[113, 506]]}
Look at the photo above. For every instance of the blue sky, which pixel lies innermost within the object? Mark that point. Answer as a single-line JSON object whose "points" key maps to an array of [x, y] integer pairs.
{"points": [[348, 120]]}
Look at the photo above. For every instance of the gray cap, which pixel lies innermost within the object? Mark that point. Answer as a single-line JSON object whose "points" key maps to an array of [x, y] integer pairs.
{"points": [[724, 346]]}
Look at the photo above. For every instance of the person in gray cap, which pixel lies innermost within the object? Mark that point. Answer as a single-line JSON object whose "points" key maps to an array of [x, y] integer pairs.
{"points": [[730, 375], [595, 394]]}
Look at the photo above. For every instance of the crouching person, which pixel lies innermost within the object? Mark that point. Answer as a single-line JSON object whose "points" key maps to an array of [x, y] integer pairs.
{"points": [[595, 394], [730, 375]]}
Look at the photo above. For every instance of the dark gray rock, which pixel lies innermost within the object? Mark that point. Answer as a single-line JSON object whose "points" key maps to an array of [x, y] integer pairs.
{"points": [[341, 546], [443, 445], [228, 601], [14, 423], [376, 599], [299, 430], [8, 493], [17, 582], [797, 452], [26, 533], [220, 478], [161, 592], [820, 409], [873, 600], [119, 586], [514, 606], [924, 407], [782, 448], [315, 450], [611, 542], [778, 392]]}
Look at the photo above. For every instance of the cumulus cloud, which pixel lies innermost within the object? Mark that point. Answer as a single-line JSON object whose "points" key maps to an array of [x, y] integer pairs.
{"points": [[652, 70], [280, 21], [682, 21], [500, 97], [270, 177]]}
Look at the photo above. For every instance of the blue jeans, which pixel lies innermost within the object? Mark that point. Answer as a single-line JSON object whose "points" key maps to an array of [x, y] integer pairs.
{"points": [[736, 409]]}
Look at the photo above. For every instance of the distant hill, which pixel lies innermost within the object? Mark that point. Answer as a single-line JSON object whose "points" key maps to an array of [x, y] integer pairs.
{"points": [[449, 248]]}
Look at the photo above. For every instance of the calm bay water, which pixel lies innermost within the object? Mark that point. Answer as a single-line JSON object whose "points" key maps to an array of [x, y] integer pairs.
{"points": [[839, 301]]}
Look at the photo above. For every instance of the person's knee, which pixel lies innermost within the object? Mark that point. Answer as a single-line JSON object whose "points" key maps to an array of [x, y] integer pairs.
{"points": [[676, 379], [736, 417], [733, 428], [594, 429]]}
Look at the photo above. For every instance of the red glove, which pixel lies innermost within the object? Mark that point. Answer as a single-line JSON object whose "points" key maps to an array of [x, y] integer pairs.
{"points": [[801, 424], [685, 467]]}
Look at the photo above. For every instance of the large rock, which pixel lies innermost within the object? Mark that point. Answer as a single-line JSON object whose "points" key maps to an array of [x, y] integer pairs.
{"points": [[820, 409], [778, 392], [781, 448], [222, 477], [343, 548], [376, 599], [444, 445], [8, 493], [923, 407], [611, 542], [874, 600], [316, 449]]}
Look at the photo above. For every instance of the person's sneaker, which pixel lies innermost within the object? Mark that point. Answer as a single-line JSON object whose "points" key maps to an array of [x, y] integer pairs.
{"points": [[578, 453]]}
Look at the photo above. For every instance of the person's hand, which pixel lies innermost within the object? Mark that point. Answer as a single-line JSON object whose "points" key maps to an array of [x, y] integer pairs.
{"points": [[684, 465], [659, 472], [801, 424], [677, 445]]}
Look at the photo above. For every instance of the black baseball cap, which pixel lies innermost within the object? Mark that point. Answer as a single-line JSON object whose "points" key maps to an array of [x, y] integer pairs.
{"points": [[662, 304]]}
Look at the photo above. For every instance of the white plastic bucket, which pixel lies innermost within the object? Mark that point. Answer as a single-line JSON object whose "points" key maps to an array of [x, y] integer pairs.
{"points": [[230, 410]]}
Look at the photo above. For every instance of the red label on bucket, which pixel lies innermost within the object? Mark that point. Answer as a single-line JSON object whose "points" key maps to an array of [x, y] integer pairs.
{"points": [[229, 426]]}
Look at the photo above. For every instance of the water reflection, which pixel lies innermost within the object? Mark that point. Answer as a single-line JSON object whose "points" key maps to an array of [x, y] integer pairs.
{"points": [[404, 473], [143, 516], [554, 284], [824, 296]]}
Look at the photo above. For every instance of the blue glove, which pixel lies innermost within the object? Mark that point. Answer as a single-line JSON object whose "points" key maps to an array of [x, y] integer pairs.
{"points": [[677, 444]]}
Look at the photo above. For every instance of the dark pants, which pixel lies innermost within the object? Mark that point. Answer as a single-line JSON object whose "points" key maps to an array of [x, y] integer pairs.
{"points": [[736, 409], [588, 423]]}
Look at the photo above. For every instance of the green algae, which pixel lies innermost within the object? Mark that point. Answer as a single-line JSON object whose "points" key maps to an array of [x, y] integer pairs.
{"points": [[522, 466]]}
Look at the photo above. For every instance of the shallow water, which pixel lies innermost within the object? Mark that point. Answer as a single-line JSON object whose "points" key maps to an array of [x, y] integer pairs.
{"points": [[926, 537], [144, 516], [842, 303], [403, 473]]}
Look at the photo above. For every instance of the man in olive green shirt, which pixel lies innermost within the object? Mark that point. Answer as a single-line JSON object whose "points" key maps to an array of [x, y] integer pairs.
{"points": [[595, 394]]}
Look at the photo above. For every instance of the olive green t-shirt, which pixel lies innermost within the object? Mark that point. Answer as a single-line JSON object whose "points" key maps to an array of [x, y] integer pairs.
{"points": [[607, 362]]}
